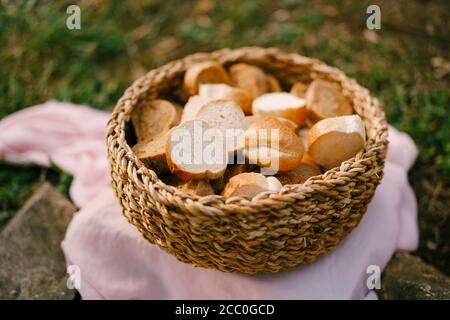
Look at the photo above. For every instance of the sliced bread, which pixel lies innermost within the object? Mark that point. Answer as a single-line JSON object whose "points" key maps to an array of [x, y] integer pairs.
{"points": [[192, 106], [306, 169], [154, 117], [273, 85], [203, 72], [250, 78], [225, 92], [228, 117], [249, 120], [152, 153], [334, 140], [270, 144], [281, 104], [324, 99], [249, 184], [299, 89], [196, 150]]}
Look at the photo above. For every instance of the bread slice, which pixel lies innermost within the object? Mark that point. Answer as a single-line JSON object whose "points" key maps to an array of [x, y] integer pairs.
{"points": [[203, 72], [228, 117], [334, 140], [250, 78], [232, 170], [226, 92], [281, 104], [192, 106], [324, 99], [195, 150], [249, 120], [306, 169], [151, 118], [299, 89], [273, 85], [276, 146], [152, 153], [249, 184], [200, 187]]}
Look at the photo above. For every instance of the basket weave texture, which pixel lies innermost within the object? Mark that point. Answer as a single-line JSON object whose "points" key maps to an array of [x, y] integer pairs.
{"points": [[273, 231]]}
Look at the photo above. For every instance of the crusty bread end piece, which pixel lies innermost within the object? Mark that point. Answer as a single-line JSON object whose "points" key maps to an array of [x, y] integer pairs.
{"points": [[273, 85], [299, 89], [270, 144], [249, 184], [203, 72], [334, 140], [306, 169]]}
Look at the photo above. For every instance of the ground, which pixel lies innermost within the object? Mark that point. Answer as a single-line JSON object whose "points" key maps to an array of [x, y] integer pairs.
{"points": [[405, 64]]}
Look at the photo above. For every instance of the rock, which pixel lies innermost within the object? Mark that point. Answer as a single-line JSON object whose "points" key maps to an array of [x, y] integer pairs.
{"points": [[32, 264], [408, 277]]}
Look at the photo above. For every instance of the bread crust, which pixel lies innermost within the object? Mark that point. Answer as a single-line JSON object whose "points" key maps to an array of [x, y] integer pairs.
{"points": [[250, 78], [203, 72]]}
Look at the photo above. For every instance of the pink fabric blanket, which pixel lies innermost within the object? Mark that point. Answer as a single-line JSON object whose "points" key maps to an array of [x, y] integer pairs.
{"points": [[117, 263]]}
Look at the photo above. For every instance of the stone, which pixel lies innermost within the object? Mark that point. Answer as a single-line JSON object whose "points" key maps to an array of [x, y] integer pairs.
{"points": [[32, 264], [408, 277]]}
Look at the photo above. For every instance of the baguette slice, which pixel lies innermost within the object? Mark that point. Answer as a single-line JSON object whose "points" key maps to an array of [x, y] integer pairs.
{"points": [[306, 169], [196, 187], [195, 150], [273, 85], [203, 72], [192, 106], [324, 99], [250, 78], [334, 140], [226, 92], [228, 117], [249, 184], [299, 89], [152, 153], [249, 120], [154, 117], [232, 170], [281, 104], [270, 144]]}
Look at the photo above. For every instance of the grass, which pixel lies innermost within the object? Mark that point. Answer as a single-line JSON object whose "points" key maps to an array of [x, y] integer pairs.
{"points": [[41, 59]]}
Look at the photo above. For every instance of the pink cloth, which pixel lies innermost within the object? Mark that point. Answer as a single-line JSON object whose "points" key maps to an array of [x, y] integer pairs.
{"points": [[117, 263]]}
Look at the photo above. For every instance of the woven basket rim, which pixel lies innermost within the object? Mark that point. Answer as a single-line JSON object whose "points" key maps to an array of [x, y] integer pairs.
{"points": [[288, 194]]}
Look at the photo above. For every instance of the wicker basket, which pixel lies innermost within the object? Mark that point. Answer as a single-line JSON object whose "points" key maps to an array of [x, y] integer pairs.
{"points": [[273, 231]]}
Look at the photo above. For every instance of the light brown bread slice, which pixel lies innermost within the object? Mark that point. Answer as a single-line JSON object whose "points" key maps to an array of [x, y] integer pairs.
{"points": [[228, 117], [324, 99], [196, 187], [203, 72], [273, 85], [192, 106], [195, 150], [225, 92], [299, 89], [152, 153], [276, 146], [306, 169], [281, 104], [249, 184], [249, 120], [250, 78], [153, 118], [232, 170], [334, 140]]}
